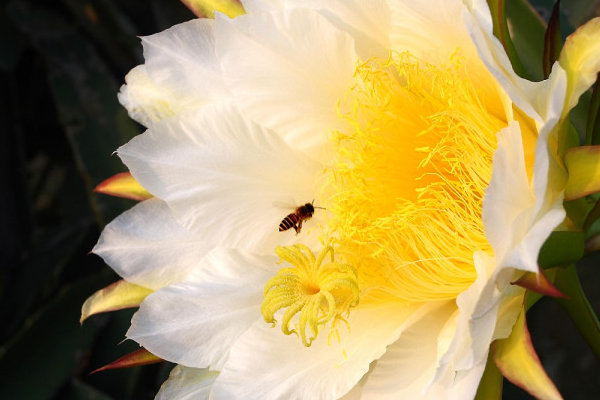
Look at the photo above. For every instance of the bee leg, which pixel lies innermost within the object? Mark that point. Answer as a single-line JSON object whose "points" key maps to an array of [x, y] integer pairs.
{"points": [[299, 227]]}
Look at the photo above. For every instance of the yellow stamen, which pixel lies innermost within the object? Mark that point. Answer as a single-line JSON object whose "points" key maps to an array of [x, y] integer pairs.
{"points": [[319, 292], [407, 186]]}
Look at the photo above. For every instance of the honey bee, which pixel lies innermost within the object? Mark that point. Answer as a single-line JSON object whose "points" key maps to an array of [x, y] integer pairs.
{"points": [[295, 219]]}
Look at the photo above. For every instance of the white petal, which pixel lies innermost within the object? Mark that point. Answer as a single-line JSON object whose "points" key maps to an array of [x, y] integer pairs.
{"points": [[186, 383], [195, 322], [222, 176], [287, 70], [182, 63], [357, 391], [550, 178], [326, 370], [429, 30], [143, 100], [459, 354], [408, 365], [488, 310], [509, 200], [367, 21], [181, 73], [147, 247], [518, 218], [457, 385]]}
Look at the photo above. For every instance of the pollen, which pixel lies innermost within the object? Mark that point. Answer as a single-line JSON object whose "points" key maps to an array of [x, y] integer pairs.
{"points": [[413, 161], [319, 289]]}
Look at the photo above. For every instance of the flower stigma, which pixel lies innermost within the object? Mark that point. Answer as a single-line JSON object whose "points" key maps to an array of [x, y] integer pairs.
{"points": [[320, 292]]}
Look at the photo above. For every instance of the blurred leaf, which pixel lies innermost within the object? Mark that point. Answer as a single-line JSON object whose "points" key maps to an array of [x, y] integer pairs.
{"points": [[593, 216], [592, 132], [15, 215], [11, 43], [578, 12], [578, 307], [50, 348], [111, 28], [577, 211], [502, 32], [78, 390], [50, 254], [544, 9], [552, 41], [561, 249], [567, 136], [85, 97]]}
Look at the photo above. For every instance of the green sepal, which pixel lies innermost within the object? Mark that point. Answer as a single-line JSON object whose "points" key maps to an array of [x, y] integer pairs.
{"points": [[490, 385], [531, 298], [552, 41], [538, 283], [136, 358], [502, 33], [561, 249], [577, 306]]}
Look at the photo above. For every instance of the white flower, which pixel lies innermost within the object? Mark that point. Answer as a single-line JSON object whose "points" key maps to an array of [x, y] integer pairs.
{"points": [[433, 161]]}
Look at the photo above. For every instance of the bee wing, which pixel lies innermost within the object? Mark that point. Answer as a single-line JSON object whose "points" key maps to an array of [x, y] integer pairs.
{"points": [[285, 205]]}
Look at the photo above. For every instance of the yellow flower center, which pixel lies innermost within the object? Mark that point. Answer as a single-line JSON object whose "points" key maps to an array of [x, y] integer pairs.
{"points": [[405, 189], [319, 292]]}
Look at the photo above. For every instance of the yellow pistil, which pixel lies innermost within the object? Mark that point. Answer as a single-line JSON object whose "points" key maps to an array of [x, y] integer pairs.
{"points": [[320, 292]]}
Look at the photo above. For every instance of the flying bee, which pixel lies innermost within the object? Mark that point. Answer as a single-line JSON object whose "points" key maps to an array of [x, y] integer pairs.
{"points": [[295, 219]]}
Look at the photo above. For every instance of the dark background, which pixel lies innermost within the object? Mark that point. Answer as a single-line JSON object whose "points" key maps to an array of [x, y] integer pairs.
{"points": [[61, 64]]}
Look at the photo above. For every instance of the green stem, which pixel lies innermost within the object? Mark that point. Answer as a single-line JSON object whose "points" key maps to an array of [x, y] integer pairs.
{"points": [[578, 307]]}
